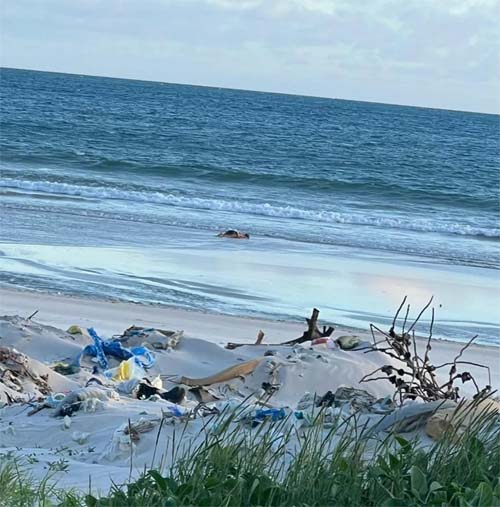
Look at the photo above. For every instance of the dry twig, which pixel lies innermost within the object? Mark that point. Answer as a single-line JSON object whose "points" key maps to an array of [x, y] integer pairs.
{"points": [[416, 377]]}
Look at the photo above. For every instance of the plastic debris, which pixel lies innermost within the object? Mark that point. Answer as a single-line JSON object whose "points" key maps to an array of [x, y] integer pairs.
{"points": [[126, 370], [77, 330], [256, 417], [348, 342], [66, 368], [80, 437], [146, 390], [66, 422], [54, 400], [102, 348], [128, 386], [306, 401], [73, 401], [161, 339]]}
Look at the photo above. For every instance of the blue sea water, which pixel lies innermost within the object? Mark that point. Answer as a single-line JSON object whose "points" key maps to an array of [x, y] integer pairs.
{"points": [[140, 167]]}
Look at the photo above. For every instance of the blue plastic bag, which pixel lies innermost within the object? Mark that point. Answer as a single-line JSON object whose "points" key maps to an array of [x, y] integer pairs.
{"points": [[102, 348]]}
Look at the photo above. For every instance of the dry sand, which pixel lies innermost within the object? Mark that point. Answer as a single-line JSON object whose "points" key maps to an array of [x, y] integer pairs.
{"points": [[93, 446]]}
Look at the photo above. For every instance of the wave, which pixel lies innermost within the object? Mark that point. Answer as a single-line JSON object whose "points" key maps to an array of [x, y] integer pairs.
{"points": [[407, 189], [262, 209]]}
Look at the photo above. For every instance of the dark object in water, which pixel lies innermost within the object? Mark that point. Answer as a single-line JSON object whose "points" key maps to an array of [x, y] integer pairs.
{"points": [[146, 390], [230, 233]]}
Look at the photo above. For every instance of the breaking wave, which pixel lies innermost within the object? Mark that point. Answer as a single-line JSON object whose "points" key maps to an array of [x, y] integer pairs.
{"points": [[262, 209]]}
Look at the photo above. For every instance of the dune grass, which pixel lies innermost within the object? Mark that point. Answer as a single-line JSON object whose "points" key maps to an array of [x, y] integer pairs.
{"points": [[272, 467]]}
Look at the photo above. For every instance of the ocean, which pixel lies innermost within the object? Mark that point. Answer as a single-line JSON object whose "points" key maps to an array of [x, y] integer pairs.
{"points": [[116, 188]]}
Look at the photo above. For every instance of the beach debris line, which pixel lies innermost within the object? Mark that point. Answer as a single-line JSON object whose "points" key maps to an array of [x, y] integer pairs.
{"points": [[414, 376], [312, 333]]}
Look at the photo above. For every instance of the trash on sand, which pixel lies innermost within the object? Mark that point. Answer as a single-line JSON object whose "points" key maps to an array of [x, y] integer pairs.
{"points": [[66, 422], [54, 400], [326, 341], [359, 399], [458, 419], [102, 348], [204, 395], [307, 401], [121, 445], [256, 417], [238, 370], [128, 386], [161, 339], [348, 342], [141, 426], [81, 399], [66, 368], [275, 414], [77, 330], [146, 390], [80, 437], [17, 375], [126, 370], [409, 417]]}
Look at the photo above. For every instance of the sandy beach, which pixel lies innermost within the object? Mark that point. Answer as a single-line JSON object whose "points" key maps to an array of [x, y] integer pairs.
{"points": [[87, 444]]}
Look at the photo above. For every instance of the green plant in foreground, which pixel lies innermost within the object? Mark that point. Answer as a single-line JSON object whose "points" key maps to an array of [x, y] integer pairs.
{"points": [[271, 466]]}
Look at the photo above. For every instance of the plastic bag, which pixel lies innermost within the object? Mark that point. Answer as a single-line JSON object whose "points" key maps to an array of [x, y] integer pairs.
{"points": [[126, 370]]}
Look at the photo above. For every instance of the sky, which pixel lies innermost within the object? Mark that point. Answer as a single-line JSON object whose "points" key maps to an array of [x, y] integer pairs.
{"points": [[433, 53]]}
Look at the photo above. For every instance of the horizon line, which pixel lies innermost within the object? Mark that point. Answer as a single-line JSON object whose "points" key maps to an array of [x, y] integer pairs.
{"points": [[249, 90]]}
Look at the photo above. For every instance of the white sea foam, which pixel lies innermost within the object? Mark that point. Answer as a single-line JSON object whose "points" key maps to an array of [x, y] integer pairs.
{"points": [[238, 206]]}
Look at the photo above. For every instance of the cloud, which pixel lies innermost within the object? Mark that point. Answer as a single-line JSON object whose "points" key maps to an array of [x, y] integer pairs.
{"points": [[440, 53]]}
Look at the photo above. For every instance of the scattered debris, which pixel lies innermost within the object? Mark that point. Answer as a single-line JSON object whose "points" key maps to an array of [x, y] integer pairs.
{"points": [[84, 398], [65, 368], [239, 370], [160, 339], [145, 390], [312, 333], [348, 342], [80, 437], [17, 377]]}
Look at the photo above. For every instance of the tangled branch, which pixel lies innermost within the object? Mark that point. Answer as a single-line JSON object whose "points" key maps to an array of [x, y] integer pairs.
{"points": [[416, 377]]}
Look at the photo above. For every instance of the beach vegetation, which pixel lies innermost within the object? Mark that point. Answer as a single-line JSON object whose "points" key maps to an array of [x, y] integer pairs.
{"points": [[272, 467]]}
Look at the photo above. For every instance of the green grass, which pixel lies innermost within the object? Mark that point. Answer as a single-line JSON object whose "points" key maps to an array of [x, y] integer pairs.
{"points": [[272, 466]]}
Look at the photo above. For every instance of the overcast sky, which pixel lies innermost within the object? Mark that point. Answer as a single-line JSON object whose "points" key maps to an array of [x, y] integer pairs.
{"points": [[435, 53]]}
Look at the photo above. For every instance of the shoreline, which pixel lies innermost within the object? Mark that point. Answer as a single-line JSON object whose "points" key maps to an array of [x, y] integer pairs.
{"points": [[291, 322]]}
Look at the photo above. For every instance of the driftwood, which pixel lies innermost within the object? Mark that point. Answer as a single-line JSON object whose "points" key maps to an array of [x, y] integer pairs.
{"points": [[416, 375], [312, 333], [32, 315]]}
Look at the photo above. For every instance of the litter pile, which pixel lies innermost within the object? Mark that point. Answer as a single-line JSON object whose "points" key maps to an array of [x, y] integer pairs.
{"points": [[97, 400]]}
